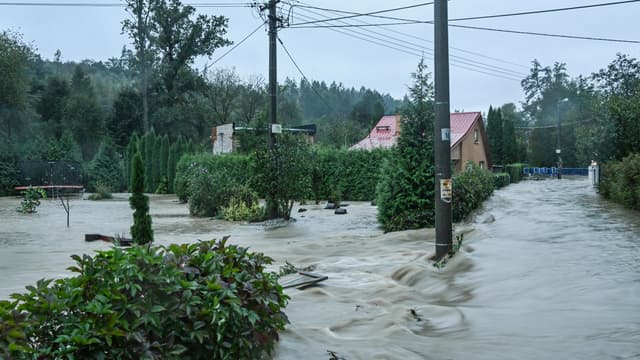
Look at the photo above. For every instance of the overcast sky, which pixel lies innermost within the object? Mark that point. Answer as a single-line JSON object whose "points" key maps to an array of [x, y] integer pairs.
{"points": [[95, 33]]}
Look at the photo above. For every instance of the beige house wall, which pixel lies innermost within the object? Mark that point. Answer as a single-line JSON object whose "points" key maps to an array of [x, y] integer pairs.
{"points": [[471, 148]]}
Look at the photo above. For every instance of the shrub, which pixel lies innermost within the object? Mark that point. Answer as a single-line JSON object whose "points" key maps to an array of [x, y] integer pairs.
{"points": [[239, 210], [103, 191], [282, 174], [210, 192], [236, 167], [620, 181], [501, 180], [515, 172], [470, 189], [193, 301], [31, 200]]}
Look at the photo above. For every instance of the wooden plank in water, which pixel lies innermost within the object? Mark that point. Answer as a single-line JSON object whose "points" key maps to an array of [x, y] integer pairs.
{"points": [[301, 280]]}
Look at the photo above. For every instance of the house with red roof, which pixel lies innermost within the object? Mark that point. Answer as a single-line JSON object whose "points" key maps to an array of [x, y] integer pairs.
{"points": [[468, 138]]}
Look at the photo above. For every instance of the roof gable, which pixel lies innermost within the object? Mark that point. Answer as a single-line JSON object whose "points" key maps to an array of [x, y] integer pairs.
{"points": [[461, 124]]}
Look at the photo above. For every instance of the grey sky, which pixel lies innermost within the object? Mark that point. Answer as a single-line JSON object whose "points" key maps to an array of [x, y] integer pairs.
{"points": [[94, 33]]}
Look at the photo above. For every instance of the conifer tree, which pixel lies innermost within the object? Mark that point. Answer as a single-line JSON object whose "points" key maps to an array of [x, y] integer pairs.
{"points": [[509, 144], [141, 230], [171, 167], [405, 195], [105, 168]]}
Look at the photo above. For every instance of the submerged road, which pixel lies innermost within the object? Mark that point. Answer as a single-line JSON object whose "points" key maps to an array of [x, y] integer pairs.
{"points": [[556, 275]]}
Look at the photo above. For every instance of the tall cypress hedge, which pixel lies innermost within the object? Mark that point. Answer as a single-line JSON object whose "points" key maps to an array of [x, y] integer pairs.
{"points": [[141, 230]]}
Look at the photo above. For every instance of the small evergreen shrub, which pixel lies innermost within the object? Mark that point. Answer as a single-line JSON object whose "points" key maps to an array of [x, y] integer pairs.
{"points": [[207, 300], [8, 175], [103, 191], [620, 181], [501, 180], [106, 168], [163, 186], [470, 189]]}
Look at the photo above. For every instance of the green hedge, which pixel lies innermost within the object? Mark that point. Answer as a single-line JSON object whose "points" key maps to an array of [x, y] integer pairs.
{"points": [[501, 180], [237, 168], [620, 181], [201, 301], [352, 173], [470, 189], [515, 172]]}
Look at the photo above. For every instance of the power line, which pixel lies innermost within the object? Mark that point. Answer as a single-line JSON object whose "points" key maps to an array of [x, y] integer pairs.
{"points": [[518, 32], [544, 11], [414, 46], [417, 52], [369, 13], [91, 4], [413, 36], [304, 76], [238, 44], [592, 38]]}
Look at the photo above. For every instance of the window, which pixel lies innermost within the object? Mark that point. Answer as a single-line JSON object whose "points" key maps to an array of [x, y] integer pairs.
{"points": [[476, 139], [481, 164]]}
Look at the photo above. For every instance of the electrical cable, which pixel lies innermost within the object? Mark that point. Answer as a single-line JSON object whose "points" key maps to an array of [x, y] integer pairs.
{"points": [[238, 44], [92, 4], [369, 13], [429, 41], [304, 76], [419, 52], [533, 12], [592, 38]]}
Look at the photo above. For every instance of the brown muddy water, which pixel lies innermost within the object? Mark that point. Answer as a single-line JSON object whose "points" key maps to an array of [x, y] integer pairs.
{"points": [[547, 270]]}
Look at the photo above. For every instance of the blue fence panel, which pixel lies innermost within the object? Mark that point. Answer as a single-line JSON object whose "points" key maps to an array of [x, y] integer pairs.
{"points": [[551, 172]]}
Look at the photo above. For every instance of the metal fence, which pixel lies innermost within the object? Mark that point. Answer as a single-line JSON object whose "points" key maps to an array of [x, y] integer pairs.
{"points": [[43, 173]]}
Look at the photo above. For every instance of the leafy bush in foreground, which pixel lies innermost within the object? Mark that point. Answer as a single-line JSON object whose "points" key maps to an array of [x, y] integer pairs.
{"points": [[201, 301]]}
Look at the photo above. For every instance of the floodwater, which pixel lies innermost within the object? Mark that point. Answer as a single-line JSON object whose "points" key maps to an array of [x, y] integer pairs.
{"points": [[547, 270]]}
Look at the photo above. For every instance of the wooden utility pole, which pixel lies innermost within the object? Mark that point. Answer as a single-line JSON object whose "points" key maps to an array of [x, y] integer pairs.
{"points": [[442, 138]]}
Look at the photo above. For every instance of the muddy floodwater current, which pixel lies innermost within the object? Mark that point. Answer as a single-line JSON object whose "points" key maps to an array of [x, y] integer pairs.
{"points": [[547, 270]]}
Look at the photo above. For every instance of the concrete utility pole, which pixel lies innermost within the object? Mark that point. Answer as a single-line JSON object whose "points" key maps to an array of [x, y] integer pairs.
{"points": [[273, 69], [442, 138]]}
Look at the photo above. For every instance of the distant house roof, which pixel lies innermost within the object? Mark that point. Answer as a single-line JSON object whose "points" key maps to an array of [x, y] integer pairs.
{"points": [[386, 132], [461, 125], [383, 135]]}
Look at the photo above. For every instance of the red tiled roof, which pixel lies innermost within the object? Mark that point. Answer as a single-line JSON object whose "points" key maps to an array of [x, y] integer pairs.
{"points": [[383, 135], [461, 124]]}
